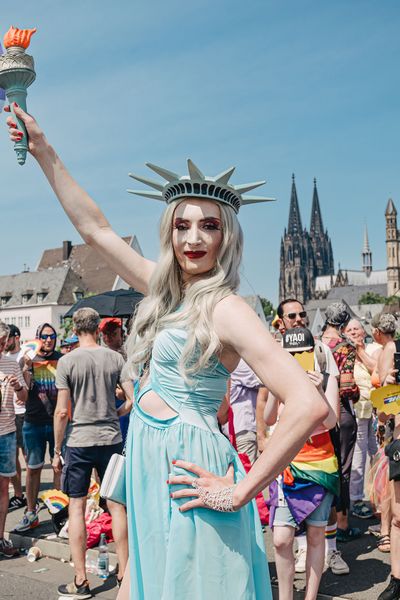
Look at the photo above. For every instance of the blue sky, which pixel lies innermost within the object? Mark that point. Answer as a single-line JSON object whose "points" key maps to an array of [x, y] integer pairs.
{"points": [[303, 86]]}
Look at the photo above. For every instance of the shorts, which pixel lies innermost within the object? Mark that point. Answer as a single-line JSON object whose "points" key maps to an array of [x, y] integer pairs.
{"points": [[36, 437], [79, 463], [8, 454], [19, 421], [318, 518]]}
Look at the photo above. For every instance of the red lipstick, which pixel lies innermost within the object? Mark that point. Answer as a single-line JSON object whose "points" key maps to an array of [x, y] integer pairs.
{"points": [[193, 254]]}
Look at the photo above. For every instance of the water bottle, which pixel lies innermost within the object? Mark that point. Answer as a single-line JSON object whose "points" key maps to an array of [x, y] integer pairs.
{"points": [[103, 558]]}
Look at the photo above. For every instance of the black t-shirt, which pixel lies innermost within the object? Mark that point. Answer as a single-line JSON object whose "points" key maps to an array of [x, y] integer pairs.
{"points": [[42, 396]]}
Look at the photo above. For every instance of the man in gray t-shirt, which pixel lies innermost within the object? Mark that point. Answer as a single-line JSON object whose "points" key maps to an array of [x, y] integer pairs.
{"points": [[86, 380]]}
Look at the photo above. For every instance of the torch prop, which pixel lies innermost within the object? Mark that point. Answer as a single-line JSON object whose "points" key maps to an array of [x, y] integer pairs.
{"points": [[17, 72]]}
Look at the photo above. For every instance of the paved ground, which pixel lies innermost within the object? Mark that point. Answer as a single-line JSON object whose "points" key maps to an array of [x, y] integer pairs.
{"points": [[369, 567]]}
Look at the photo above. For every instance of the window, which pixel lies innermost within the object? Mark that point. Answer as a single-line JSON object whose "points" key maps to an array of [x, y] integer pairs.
{"points": [[13, 320], [7, 320], [41, 296], [4, 300], [27, 321], [61, 319], [78, 296], [26, 298], [20, 321]]}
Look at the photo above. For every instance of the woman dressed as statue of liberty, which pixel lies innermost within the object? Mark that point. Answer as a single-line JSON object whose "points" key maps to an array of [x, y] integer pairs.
{"points": [[194, 531]]}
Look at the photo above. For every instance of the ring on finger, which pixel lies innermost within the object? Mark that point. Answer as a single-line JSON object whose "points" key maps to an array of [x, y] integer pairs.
{"points": [[195, 484]]}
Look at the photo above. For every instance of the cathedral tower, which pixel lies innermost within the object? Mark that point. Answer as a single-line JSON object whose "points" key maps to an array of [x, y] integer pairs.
{"points": [[296, 259], [320, 241], [392, 250]]}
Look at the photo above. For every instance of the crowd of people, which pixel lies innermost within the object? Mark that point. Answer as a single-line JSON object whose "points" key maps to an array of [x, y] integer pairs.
{"points": [[198, 358]]}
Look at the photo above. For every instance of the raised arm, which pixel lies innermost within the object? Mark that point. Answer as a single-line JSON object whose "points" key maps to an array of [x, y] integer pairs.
{"points": [[84, 213]]}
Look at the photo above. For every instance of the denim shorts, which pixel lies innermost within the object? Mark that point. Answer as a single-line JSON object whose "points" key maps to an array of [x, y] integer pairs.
{"points": [[8, 454], [36, 437], [318, 518], [79, 463]]}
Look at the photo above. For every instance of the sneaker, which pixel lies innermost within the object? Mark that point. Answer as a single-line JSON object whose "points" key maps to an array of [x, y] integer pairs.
{"points": [[300, 564], [7, 549], [335, 562], [71, 590], [30, 520], [348, 535], [361, 510], [16, 502], [392, 592]]}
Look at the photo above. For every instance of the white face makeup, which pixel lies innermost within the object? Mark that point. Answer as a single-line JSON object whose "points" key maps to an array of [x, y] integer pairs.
{"points": [[196, 236]]}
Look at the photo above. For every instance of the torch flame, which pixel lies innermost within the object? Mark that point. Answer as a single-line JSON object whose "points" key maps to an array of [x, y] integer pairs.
{"points": [[18, 37]]}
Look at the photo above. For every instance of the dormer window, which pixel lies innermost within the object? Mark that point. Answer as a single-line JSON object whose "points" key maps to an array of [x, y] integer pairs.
{"points": [[78, 295], [41, 296], [4, 300], [26, 297]]}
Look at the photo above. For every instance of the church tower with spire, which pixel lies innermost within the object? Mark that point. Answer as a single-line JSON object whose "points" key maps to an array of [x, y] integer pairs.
{"points": [[366, 255], [296, 260], [304, 256], [320, 242], [392, 250]]}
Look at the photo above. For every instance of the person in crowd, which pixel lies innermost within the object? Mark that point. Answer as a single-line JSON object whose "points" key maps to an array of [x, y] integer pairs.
{"points": [[87, 378], [243, 390], [389, 375], [291, 314], [302, 495], [13, 350], [38, 432], [186, 338], [69, 343], [113, 337], [383, 332], [344, 353], [366, 443], [113, 334], [12, 386]]}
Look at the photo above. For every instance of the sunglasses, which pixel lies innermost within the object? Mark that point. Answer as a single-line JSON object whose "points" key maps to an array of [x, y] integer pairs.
{"points": [[45, 336], [292, 316]]}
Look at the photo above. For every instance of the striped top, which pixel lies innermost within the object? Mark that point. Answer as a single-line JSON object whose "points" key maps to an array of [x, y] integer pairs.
{"points": [[8, 366]]}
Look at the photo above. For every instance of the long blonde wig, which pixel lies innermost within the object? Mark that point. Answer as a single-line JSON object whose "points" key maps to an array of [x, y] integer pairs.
{"points": [[197, 302]]}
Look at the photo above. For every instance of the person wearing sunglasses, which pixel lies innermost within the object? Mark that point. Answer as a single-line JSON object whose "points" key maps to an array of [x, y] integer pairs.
{"points": [[38, 430]]}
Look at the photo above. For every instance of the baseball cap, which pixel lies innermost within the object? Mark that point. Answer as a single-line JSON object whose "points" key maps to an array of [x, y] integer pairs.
{"points": [[14, 331], [72, 339], [337, 314], [385, 322], [298, 339], [110, 323]]}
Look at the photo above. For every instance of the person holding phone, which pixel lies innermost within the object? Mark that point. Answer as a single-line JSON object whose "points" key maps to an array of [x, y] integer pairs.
{"points": [[301, 497]]}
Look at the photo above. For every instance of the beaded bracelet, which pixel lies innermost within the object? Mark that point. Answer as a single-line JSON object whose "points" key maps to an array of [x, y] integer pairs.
{"points": [[222, 500]]}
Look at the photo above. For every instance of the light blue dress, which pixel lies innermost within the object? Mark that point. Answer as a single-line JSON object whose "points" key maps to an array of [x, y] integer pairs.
{"points": [[200, 554]]}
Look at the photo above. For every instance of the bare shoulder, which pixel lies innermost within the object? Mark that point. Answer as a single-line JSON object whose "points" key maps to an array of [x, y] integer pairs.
{"points": [[229, 306], [235, 320]]}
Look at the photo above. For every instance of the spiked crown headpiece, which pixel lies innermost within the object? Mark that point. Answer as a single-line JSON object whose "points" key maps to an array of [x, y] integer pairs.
{"points": [[197, 185]]}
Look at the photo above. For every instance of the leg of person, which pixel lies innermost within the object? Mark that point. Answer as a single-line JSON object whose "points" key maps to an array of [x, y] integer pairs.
{"points": [[300, 564], [35, 446], [348, 436], [75, 483], [18, 500], [124, 591], [392, 592], [315, 560], [50, 441], [7, 470], [284, 559], [246, 443], [383, 541], [360, 509], [120, 535]]}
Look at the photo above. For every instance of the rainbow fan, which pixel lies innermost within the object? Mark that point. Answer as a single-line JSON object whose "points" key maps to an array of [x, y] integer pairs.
{"points": [[31, 348], [54, 500]]}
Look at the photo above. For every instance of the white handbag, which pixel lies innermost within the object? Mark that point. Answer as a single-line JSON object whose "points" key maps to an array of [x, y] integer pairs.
{"points": [[113, 485]]}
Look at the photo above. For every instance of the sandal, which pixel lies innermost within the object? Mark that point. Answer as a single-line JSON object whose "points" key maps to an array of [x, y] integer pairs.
{"points": [[383, 543]]}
